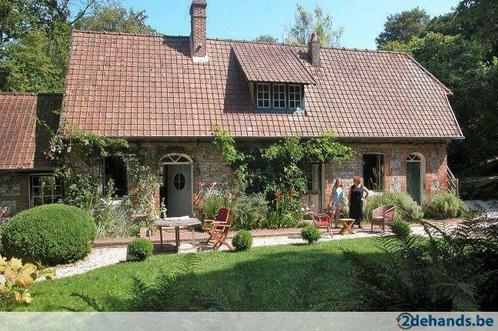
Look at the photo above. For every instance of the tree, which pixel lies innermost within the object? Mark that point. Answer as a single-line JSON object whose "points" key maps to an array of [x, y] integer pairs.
{"points": [[306, 23], [112, 16], [479, 21], [403, 26], [35, 34], [267, 39]]}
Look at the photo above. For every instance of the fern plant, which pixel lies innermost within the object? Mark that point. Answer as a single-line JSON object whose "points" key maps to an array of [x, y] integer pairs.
{"points": [[452, 269]]}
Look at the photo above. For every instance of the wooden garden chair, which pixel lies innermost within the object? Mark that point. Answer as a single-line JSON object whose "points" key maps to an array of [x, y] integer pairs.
{"points": [[321, 220], [219, 228], [381, 216]]}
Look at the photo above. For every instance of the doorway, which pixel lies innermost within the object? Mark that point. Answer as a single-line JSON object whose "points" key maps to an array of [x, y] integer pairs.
{"points": [[415, 177], [177, 185]]}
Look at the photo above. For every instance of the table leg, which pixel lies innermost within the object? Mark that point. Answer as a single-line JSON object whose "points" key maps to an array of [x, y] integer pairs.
{"points": [[161, 237], [177, 238]]}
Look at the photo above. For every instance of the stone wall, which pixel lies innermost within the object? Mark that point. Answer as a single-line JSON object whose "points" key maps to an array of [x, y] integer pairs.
{"points": [[210, 173], [395, 156], [14, 191]]}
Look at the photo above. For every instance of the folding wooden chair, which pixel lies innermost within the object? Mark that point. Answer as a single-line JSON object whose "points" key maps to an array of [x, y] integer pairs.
{"points": [[219, 229]]}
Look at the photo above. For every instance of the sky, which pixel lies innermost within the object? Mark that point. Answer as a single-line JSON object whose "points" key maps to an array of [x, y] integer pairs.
{"points": [[361, 20]]}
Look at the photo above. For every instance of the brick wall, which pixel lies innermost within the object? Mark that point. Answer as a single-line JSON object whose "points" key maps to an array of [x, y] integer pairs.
{"points": [[14, 191], [395, 156], [211, 174]]}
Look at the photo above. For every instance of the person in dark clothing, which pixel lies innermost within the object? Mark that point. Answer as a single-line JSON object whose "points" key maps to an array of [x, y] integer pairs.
{"points": [[357, 193]]}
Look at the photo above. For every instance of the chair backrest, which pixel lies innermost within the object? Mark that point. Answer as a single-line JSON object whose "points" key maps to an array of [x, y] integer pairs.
{"points": [[224, 215], [378, 212], [389, 213]]}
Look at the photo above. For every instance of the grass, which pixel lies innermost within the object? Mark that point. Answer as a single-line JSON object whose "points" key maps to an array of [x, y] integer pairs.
{"points": [[272, 272]]}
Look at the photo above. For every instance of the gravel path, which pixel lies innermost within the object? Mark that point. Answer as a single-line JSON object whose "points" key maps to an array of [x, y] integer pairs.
{"points": [[98, 258]]}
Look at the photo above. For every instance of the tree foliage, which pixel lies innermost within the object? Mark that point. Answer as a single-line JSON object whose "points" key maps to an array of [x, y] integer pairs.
{"points": [[35, 34], [267, 39], [307, 22], [111, 16], [460, 49], [403, 26]]}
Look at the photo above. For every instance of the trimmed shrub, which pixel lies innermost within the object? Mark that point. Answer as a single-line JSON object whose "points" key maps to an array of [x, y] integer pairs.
{"points": [[445, 205], [50, 234], [242, 240], [406, 208], [310, 233], [140, 249]]}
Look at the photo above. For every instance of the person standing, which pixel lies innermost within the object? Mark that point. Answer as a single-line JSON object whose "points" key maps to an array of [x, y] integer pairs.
{"points": [[357, 193], [337, 200]]}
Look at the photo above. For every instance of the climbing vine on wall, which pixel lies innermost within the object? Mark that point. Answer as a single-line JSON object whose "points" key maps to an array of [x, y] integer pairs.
{"points": [[77, 156], [278, 166]]}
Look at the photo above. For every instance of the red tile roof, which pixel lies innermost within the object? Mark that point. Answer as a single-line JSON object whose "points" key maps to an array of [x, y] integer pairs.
{"points": [[23, 139], [271, 63], [133, 85]]}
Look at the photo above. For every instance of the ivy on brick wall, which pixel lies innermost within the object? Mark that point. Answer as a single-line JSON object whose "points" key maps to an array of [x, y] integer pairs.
{"points": [[278, 166], [77, 156]]}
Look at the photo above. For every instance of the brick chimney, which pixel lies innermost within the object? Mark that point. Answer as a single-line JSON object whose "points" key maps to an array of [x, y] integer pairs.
{"points": [[314, 50], [198, 46]]}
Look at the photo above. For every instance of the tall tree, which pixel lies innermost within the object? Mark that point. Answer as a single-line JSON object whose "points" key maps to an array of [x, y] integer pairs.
{"points": [[111, 16], [308, 22], [403, 26], [266, 38]]}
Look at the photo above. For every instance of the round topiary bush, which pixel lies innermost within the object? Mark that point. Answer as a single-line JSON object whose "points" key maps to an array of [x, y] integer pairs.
{"points": [[310, 233], [406, 208], [242, 240], [50, 234], [140, 249], [445, 205]]}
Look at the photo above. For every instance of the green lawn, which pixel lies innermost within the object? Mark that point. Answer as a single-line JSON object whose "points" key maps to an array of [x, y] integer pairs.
{"points": [[277, 278]]}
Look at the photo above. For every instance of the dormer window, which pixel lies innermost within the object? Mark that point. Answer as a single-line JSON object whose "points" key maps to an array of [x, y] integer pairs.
{"points": [[295, 96], [279, 97], [263, 95]]}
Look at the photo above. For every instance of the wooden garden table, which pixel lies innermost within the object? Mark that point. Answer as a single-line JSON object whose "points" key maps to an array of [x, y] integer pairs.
{"points": [[177, 223], [347, 226]]}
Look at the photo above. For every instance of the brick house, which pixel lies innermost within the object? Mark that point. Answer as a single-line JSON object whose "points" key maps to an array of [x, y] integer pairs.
{"points": [[166, 94]]}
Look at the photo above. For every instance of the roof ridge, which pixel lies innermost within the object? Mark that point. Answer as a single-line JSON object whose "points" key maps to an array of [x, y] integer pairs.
{"points": [[351, 49], [245, 41], [17, 93], [119, 33]]}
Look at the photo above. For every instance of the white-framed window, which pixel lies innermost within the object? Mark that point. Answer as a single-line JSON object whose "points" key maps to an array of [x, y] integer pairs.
{"points": [[279, 96], [44, 189], [295, 96], [263, 95]]}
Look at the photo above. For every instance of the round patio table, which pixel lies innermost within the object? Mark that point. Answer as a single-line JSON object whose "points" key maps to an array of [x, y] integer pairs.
{"points": [[177, 223]]}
